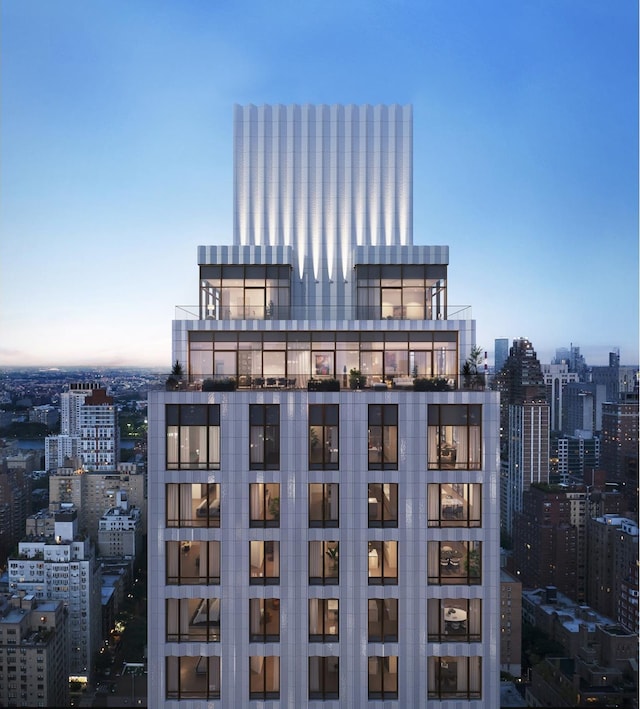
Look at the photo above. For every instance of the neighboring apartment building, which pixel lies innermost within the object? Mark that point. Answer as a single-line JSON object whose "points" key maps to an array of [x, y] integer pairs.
{"points": [[574, 458], [556, 378], [619, 446], [310, 544], [582, 409], [120, 531], [88, 430], [94, 493], [34, 652], [63, 568], [524, 426], [613, 553], [510, 624], [549, 540]]}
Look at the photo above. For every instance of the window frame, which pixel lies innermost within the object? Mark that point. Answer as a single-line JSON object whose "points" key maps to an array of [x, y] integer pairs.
{"points": [[206, 513], [325, 417], [204, 606], [269, 547], [384, 692], [265, 606], [436, 681], [177, 417], [382, 611], [464, 498], [382, 437], [324, 620], [440, 629], [330, 491], [381, 521], [437, 553], [183, 549], [325, 578], [173, 670], [380, 558], [324, 662], [270, 507], [264, 436], [444, 423], [265, 693]]}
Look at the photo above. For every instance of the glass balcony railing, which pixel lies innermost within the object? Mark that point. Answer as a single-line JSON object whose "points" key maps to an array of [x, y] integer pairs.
{"points": [[219, 382], [196, 312]]}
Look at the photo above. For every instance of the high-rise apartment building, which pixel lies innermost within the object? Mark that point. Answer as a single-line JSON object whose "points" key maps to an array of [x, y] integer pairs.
{"points": [[93, 493], [556, 378], [63, 568], [524, 426], [619, 445], [500, 354], [34, 652], [550, 539], [321, 530], [88, 430]]}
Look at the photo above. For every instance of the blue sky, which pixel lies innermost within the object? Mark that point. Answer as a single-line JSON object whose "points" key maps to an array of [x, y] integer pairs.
{"points": [[116, 157]]}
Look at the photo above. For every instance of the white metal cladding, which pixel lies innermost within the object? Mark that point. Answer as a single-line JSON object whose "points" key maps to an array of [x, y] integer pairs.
{"points": [[323, 178]]}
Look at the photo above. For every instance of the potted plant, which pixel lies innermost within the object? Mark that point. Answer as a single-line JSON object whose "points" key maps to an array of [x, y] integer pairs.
{"points": [[175, 378], [274, 507], [356, 379], [472, 377], [223, 384], [433, 384]]}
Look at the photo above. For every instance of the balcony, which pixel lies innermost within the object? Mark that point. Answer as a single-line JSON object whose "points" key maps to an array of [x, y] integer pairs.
{"points": [[216, 382], [196, 312]]}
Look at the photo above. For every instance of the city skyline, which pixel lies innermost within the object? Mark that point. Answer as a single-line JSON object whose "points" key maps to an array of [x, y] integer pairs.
{"points": [[117, 150]]}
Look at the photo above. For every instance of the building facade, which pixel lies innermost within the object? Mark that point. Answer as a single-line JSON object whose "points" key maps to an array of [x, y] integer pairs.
{"points": [[34, 654], [324, 529], [63, 568]]}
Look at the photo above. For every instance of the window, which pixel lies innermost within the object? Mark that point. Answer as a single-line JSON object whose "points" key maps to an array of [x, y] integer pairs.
{"points": [[193, 505], [264, 620], [383, 437], [193, 677], [264, 505], [264, 563], [323, 436], [264, 436], [383, 620], [455, 505], [454, 677], [323, 620], [383, 504], [193, 436], [383, 563], [323, 677], [193, 563], [264, 677], [323, 563], [383, 677], [454, 620], [454, 563], [193, 620], [323, 505], [454, 435]]}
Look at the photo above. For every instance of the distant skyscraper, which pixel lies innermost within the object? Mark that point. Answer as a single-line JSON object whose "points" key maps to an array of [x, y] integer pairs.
{"points": [[524, 425], [556, 378], [501, 352], [320, 530], [619, 451]]}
